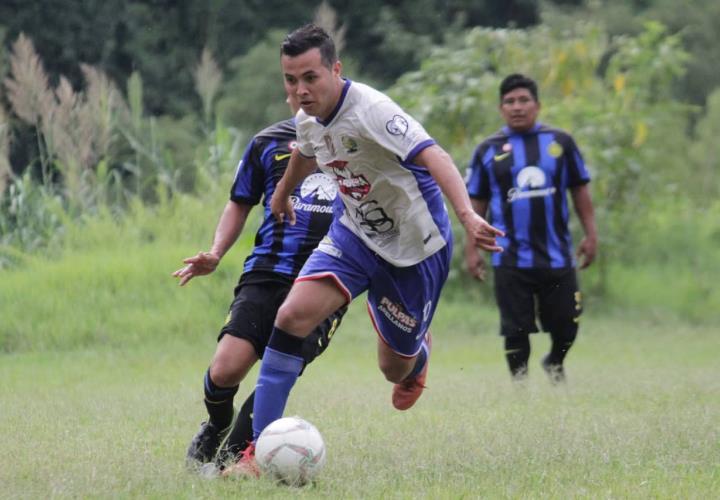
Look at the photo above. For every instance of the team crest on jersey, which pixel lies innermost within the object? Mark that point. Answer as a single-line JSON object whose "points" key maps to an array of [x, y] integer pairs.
{"points": [[349, 144], [530, 182], [329, 144], [398, 125], [555, 150]]}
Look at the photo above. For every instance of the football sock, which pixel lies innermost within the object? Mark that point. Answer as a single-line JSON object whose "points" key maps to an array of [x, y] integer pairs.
{"points": [[561, 344], [517, 353], [219, 402], [420, 361], [279, 370], [242, 432]]}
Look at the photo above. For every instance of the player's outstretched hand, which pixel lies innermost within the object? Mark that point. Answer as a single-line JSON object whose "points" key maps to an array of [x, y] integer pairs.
{"points": [[482, 233], [201, 264], [586, 252], [281, 206]]}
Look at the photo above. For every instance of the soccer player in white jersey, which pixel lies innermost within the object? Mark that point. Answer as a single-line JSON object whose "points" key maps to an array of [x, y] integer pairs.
{"points": [[392, 237]]}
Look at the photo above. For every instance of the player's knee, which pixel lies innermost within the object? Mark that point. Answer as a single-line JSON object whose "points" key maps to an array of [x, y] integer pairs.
{"points": [[223, 373], [291, 318]]}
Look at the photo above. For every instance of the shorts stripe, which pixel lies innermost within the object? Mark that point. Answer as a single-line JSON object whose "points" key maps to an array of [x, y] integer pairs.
{"points": [[318, 276]]}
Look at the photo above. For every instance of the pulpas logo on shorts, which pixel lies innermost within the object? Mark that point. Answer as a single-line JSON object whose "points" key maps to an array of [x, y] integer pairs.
{"points": [[397, 315]]}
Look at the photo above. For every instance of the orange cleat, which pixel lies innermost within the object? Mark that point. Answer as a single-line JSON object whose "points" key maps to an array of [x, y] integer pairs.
{"points": [[407, 392], [245, 467]]}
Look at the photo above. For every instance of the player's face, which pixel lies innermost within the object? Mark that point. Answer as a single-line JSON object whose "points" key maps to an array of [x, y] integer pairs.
{"points": [[293, 102], [519, 109], [316, 87]]}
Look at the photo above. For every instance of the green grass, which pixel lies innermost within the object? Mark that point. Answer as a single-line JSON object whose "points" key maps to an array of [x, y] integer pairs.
{"points": [[102, 358], [637, 419]]}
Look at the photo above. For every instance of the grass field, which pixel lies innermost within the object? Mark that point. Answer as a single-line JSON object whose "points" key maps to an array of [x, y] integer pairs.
{"points": [[638, 418]]}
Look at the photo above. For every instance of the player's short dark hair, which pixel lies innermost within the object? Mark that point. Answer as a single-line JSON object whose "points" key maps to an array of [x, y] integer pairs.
{"points": [[309, 37], [518, 81]]}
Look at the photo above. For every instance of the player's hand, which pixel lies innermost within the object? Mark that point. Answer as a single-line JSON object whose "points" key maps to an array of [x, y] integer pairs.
{"points": [[475, 263], [280, 207], [482, 233], [586, 252], [201, 264]]}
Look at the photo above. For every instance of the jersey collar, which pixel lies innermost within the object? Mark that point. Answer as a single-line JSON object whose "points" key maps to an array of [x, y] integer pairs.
{"points": [[332, 115]]}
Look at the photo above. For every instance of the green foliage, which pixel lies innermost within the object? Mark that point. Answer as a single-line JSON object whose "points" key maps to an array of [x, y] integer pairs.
{"points": [[614, 95], [704, 153]]}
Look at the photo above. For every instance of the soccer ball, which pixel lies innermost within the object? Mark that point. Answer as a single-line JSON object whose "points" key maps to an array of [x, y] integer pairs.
{"points": [[290, 450]]}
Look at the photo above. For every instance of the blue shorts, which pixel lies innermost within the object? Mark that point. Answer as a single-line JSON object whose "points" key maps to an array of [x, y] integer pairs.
{"points": [[401, 300]]}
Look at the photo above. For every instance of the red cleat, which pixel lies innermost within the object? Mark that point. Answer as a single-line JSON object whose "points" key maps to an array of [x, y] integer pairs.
{"points": [[407, 392], [246, 466]]}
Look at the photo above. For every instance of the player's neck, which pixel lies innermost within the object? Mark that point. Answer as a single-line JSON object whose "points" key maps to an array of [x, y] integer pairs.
{"points": [[337, 95]]}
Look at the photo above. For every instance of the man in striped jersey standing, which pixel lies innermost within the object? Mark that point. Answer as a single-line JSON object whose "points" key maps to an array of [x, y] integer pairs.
{"points": [[522, 173]]}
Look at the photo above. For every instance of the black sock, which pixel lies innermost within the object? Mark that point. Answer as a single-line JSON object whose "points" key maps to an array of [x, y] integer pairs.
{"points": [[242, 432], [517, 353], [561, 344], [219, 402]]}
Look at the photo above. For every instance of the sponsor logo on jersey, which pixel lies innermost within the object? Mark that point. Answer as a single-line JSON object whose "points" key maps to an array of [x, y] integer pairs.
{"points": [[349, 144], [530, 182], [316, 191], [374, 219], [398, 125], [397, 315]]}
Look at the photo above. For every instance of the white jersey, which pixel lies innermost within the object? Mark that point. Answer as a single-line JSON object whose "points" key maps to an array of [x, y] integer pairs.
{"points": [[367, 145]]}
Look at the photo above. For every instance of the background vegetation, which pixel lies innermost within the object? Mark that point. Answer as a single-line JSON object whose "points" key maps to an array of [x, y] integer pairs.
{"points": [[121, 123]]}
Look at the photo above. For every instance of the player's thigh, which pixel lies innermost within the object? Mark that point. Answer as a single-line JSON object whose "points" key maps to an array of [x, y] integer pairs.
{"points": [[560, 301], [514, 294], [402, 301], [252, 313]]}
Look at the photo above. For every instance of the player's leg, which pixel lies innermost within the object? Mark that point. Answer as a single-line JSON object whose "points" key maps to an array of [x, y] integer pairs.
{"points": [[314, 345], [401, 303], [516, 303], [240, 344], [560, 308]]}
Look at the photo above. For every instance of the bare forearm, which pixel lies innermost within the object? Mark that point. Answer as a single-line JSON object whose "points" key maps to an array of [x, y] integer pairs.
{"points": [[229, 227], [584, 209]]}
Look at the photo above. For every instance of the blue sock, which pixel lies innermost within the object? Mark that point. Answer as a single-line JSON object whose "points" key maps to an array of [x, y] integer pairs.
{"points": [[420, 361], [278, 373]]}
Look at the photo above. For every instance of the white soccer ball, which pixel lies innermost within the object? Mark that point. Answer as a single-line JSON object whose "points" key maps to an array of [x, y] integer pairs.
{"points": [[290, 450]]}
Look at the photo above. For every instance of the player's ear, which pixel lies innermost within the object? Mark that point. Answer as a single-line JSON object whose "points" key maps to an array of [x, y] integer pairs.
{"points": [[337, 68]]}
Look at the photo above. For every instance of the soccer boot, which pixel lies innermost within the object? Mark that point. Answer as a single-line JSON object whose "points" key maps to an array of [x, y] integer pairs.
{"points": [[407, 392], [556, 373], [245, 467], [205, 444]]}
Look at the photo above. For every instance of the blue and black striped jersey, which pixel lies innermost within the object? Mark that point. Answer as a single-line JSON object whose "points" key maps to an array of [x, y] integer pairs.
{"points": [[525, 177], [279, 247]]}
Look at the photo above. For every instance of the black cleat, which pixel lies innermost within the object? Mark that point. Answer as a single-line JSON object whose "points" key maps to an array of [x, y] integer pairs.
{"points": [[556, 373], [205, 444]]}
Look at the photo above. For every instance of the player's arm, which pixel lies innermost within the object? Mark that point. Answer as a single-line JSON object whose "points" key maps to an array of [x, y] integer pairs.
{"points": [[228, 229], [298, 168], [584, 208], [446, 174], [474, 261]]}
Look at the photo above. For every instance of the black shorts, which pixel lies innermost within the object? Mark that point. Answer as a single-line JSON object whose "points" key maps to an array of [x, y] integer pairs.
{"points": [[550, 294], [252, 315]]}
